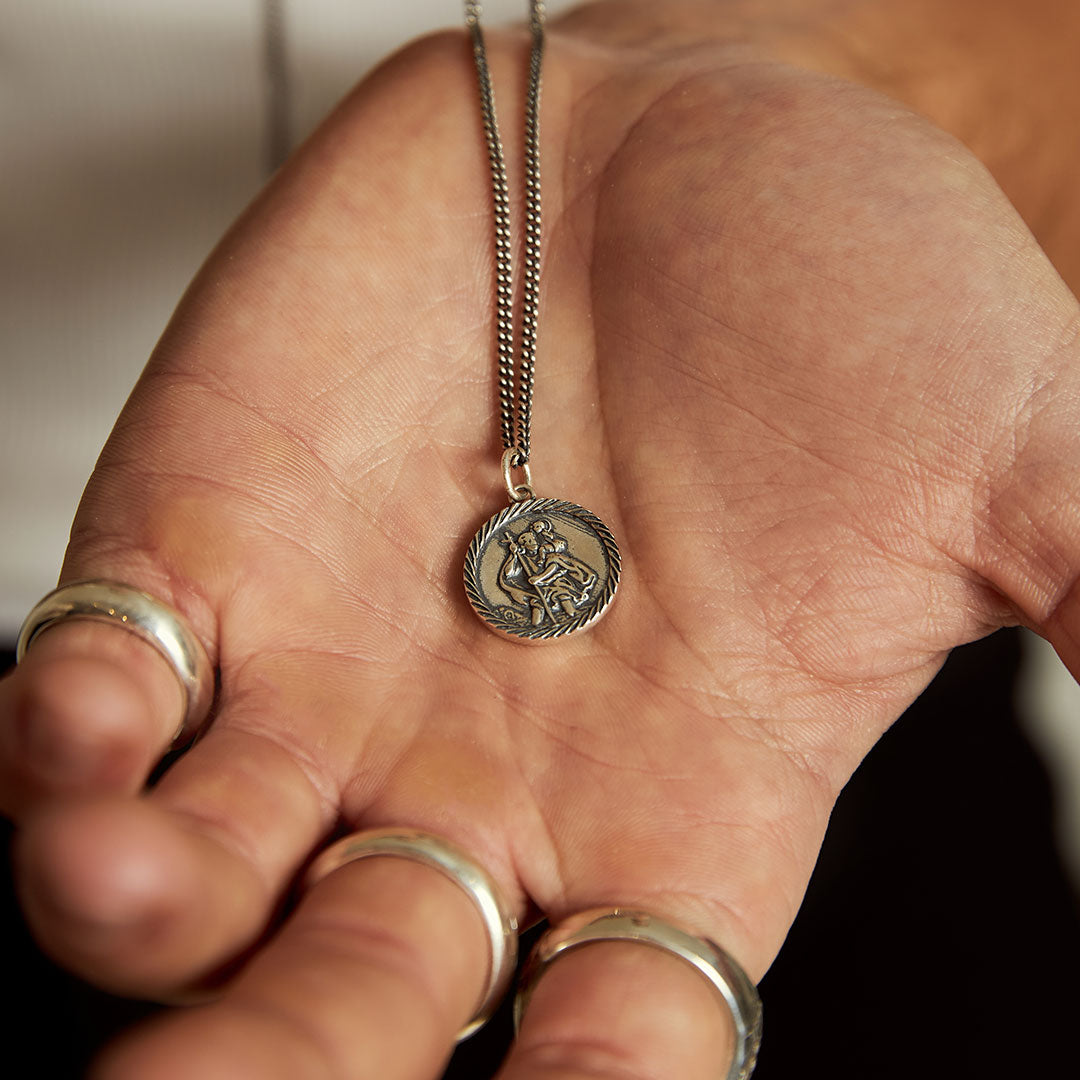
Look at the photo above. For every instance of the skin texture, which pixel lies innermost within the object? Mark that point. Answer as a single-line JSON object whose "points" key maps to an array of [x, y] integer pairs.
{"points": [[797, 349]]}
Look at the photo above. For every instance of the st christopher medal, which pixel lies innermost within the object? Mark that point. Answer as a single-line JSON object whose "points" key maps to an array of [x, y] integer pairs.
{"points": [[542, 568]]}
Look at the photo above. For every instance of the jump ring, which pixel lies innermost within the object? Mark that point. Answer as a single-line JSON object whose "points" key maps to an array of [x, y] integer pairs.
{"points": [[154, 622], [473, 879], [512, 459]]}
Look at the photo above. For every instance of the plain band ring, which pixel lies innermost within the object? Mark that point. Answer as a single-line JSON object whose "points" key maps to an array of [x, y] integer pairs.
{"points": [[156, 623], [623, 924], [474, 880]]}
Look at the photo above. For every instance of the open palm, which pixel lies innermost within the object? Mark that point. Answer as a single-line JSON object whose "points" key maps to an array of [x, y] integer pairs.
{"points": [[795, 348]]}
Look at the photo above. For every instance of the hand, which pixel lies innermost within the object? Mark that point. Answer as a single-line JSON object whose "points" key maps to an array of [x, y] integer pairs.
{"points": [[796, 348]]}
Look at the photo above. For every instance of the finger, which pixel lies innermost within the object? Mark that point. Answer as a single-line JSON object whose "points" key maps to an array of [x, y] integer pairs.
{"points": [[89, 709], [153, 895], [617, 1009], [383, 962]]}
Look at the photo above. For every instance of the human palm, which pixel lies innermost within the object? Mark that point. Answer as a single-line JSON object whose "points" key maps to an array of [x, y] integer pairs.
{"points": [[795, 348]]}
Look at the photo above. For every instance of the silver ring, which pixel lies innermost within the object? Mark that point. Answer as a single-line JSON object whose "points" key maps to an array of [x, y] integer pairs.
{"points": [[477, 883], [156, 623], [622, 924]]}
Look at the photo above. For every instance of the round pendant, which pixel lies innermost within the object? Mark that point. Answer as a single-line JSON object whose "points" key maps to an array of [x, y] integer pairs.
{"points": [[542, 569]]}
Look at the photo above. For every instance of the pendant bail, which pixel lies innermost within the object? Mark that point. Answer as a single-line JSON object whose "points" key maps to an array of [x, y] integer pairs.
{"points": [[511, 460]]}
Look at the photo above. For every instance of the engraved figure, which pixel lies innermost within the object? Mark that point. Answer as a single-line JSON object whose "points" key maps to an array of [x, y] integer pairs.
{"points": [[522, 562], [548, 537], [540, 575]]}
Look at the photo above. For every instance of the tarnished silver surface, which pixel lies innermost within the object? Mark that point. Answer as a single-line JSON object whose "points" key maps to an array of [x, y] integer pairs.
{"points": [[514, 381], [729, 980], [542, 569]]}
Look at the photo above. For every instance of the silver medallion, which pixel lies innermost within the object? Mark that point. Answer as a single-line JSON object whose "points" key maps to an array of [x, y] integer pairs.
{"points": [[542, 569]]}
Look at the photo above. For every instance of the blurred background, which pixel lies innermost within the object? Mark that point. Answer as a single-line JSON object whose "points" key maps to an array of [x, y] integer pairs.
{"points": [[942, 920]]}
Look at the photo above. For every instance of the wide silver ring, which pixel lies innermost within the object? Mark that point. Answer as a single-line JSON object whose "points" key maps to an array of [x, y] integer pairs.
{"points": [[474, 880], [156, 623], [622, 924]]}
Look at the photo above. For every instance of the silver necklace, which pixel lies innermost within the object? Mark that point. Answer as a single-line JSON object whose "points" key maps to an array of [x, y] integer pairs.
{"points": [[541, 568]]}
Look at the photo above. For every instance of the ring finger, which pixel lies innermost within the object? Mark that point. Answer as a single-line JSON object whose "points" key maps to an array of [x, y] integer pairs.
{"points": [[623, 994]]}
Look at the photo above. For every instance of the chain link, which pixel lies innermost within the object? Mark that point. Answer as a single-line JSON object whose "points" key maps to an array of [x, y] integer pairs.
{"points": [[515, 380]]}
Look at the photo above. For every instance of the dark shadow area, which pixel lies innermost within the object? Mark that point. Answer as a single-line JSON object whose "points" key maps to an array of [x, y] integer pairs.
{"points": [[939, 930], [939, 936]]}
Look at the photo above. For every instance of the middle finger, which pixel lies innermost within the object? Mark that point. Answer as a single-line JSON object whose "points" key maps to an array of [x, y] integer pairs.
{"points": [[152, 895], [382, 964]]}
